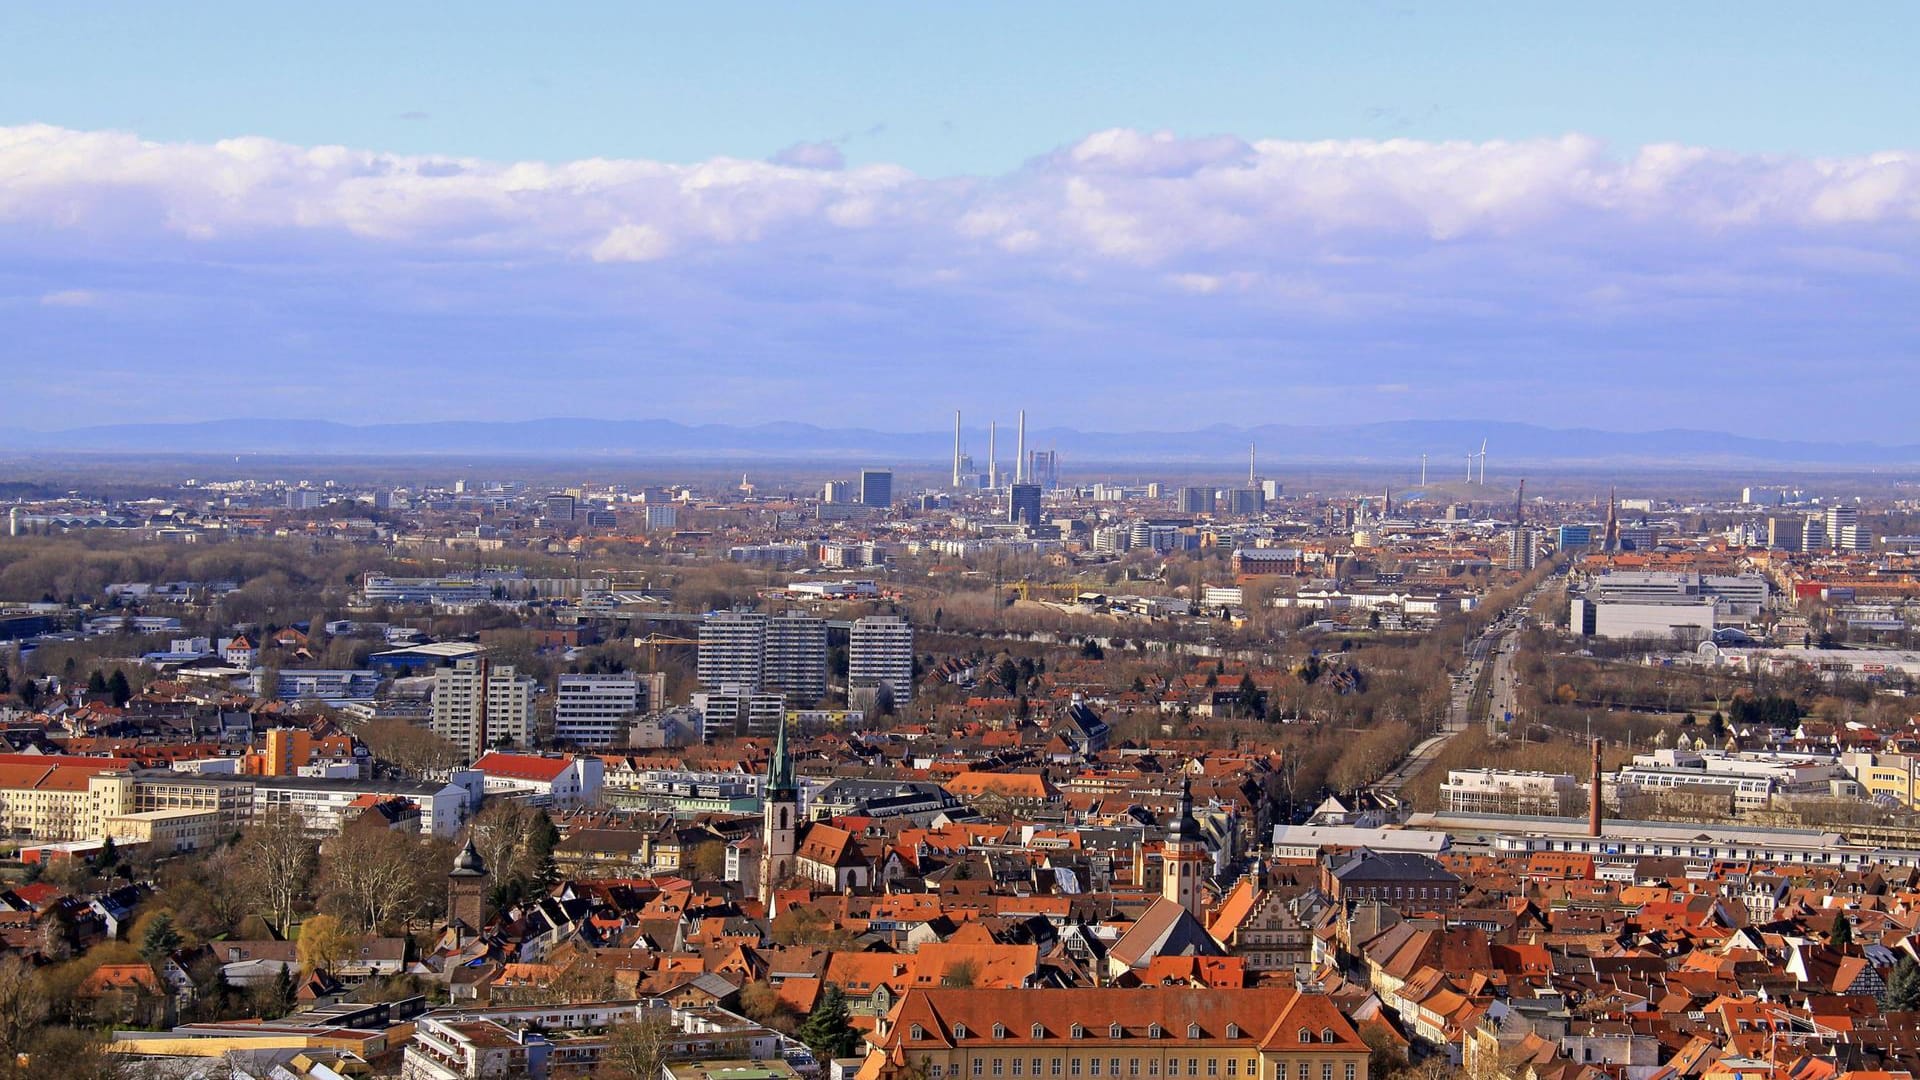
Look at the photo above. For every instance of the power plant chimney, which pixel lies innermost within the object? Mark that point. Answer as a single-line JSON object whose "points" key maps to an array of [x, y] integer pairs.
{"points": [[956, 449], [1593, 805], [1020, 448], [1520, 504], [993, 457]]}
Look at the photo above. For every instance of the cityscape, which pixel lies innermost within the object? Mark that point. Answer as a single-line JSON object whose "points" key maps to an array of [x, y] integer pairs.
{"points": [[529, 564]]}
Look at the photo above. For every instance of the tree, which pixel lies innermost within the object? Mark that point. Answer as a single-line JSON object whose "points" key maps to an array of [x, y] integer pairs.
{"points": [[828, 1030], [516, 841], [323, 944], [707, 861], [119, 690], [635, 1051], [278, 860], [161, 938], [1842, 934], [23, 1005], [962, 974], [409, 746], [97, 683], [1903, 986], [760, 1001], [374, 877]]}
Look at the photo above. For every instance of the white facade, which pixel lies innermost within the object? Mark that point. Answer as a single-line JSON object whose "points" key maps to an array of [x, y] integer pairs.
{"points": [[733, 647], [880, 653], [597, 710], [795, 660], [459, 715]]}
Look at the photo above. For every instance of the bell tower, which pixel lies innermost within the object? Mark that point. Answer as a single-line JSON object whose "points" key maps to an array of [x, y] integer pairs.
{"points": [[779, 833], [1184, 856], [467, 889]]}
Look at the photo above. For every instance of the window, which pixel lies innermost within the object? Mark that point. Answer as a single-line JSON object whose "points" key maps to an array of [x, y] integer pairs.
{"points": [[1153, 1066], [934, 1071], [1303, 1073], [1233, 1031], [1133, 1066], [1213, 1067], [1253, 1069], [1350, 1071], [1016, 1066], [1113, 1031], [999, 1068], [1305, 1035], [1326, 1070], [1054, 1068], [1173, 1067], [1039, 1031], [1093, 1067], [999, 1031], [976, 1066], [918, 1033], [1036, 1066], [960, 1032], [1075, 1069], [1233, 1066], [1079, 1032], [1193, 1031], [1326, 1035], [1193, 1066], [1153, 1031]]}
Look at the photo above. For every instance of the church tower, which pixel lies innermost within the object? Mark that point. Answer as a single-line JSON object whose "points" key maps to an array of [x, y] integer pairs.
{"points": [[467, 889], [1610, 533], [780, 829], [1184, 857]]}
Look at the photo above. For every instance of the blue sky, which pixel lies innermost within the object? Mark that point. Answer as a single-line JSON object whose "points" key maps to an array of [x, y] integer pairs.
{"points": [[878, 212]]}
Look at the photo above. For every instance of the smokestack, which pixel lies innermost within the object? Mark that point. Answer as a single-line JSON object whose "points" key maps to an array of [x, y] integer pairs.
{"points": [[1252, 471], [956, 449], [1020, 451], [1593, 806], [1520, 504], [993, 456]]}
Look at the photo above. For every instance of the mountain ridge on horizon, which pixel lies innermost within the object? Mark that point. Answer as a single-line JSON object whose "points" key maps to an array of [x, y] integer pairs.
{"points": [[1446, 442]]}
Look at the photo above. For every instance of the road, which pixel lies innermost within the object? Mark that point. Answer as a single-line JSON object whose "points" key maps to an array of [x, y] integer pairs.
{"points": [[1495, 645]]}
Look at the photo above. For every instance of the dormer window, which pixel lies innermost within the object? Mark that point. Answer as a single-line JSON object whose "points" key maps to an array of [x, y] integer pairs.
{"points": [[959, 1031], [1079, 1032], [1153, 1031], [999, 1031], [919, 1033], [1306, 1036], [1233, 1031], [1326, 1035], [1193, 1031], [1039, 1031], [1114, 1031]]}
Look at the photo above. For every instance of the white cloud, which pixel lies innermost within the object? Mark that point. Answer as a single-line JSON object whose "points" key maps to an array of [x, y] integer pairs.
{"points": [[70, 298]]}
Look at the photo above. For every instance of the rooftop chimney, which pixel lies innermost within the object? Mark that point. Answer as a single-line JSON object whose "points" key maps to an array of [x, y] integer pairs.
{"points": [[1593, 805]]}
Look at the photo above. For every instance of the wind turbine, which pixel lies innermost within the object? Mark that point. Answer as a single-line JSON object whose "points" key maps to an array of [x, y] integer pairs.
{"points": [[1483, 461]]}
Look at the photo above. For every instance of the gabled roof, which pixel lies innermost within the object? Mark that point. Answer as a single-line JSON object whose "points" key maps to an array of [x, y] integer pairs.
{"points": [[523, 766]]}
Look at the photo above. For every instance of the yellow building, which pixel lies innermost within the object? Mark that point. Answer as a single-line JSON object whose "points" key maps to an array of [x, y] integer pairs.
{"points": [[1145, 1033], [166, 831]]}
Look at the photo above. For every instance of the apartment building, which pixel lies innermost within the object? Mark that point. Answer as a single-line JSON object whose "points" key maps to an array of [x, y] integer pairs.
{"points": [[596, 711], [880, 654], [477, 705]]}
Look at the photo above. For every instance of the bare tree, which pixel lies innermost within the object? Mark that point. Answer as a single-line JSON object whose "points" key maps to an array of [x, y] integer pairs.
{"points": [[635, 1051], [23, 1005], [409, 746], [278, 860], [375, 878]]}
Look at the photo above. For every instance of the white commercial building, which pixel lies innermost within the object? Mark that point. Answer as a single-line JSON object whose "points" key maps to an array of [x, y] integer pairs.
{"points": [[1504, 791], [597, 710]]}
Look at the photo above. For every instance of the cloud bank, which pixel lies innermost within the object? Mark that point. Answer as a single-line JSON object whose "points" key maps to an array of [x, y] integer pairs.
{"points": [[1139, 272]]}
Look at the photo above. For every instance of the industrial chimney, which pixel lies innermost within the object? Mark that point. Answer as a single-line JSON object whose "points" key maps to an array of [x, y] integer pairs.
{"points": [[1593, 805], [993, 456], [1020, 450], [956, 449]]}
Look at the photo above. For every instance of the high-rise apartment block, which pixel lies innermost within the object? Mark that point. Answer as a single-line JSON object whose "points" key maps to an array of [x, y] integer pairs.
{"points": [[785, 654], [880, 653], [1196, 500], [1523, 549], [477, 705], [661, 518]]}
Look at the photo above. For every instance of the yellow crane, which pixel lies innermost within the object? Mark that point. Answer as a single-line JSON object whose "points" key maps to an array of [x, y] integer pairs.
{"points": [[652, 643]]}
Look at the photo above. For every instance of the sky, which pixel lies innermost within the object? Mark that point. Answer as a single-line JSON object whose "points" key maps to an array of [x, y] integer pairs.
{"points": [[1121, 216]]}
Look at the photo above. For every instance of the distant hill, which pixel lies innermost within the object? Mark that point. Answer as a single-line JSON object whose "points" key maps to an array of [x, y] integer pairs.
{"points": [[1446, 442]]}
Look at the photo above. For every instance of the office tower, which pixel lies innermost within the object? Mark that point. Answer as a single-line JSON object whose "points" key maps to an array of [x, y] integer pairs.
{"points": [[560, 507], [1843, 529], [1271, 489], [1813, 533], [476, 705], [1043, 468], [1023, 504], [795, 660], [1245, 502], [662, 518], [876, 488], [841, 492], [1523, 549], [1784, 533], [880, 653], [1196, 500], [596, 710], [733, 646], [1575, 537]]}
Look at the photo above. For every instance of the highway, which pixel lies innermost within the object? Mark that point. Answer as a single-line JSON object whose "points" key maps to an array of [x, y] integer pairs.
{"points": [[1495, 645]]}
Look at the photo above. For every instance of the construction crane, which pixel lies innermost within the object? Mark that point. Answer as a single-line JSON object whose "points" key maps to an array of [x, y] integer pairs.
{"points": [[1026, 589], [652, 643]]}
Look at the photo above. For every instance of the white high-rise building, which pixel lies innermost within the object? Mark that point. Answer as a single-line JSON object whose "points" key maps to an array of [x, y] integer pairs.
{"points": [[733, 710], [733, 647], [597, 710], [880, 653], [1523, 549], [795, 658], [662, 517], [1843, 529], [473, 719]]}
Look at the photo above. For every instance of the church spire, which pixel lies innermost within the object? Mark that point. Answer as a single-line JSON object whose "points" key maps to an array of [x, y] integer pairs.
{"points": [[780, 766]]}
